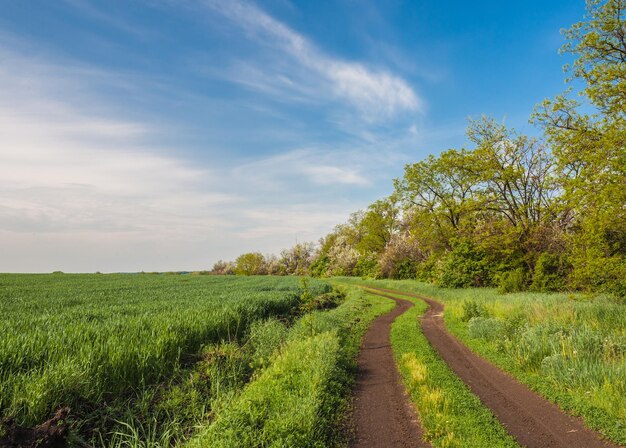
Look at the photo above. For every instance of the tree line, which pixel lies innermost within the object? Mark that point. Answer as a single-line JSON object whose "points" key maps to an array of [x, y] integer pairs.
{"points": [[518, 212]]}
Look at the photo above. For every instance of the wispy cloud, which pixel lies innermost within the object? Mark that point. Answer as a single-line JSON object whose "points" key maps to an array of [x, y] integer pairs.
{"points": [[376, 94], [316, 166], [83, 188], [110, 19]]}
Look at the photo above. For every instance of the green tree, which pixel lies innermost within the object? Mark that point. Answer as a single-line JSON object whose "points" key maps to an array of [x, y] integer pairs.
{"points": [[439, 193], [251, 263], [588, 139], [377, 226]]}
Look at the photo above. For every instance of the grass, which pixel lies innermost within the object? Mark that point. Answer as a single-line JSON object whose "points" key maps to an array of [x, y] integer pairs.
{"points": [[568, 347], [301, 397], [128, 341]]}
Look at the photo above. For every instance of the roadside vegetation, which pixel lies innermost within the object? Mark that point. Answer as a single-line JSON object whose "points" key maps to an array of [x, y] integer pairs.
{"points": [[570, 348], [150, 360], [301, 398]]}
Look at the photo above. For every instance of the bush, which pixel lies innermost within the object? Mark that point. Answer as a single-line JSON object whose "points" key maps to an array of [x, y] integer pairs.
{"points": [[406, 270], [319, 267], [512, 281], [549, 273], [472, 309], [400, 258], [252, 263], [427, 271], [603, 274], [464, 267], [367, 267]]}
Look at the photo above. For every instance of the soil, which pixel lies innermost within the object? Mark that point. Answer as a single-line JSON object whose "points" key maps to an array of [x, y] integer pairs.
{"points": [[382, 413], [531, 419], [51, 434]]}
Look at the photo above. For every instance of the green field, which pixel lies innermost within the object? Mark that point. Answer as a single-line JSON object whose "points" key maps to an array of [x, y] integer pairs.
{"points": [[570, 348], [83, 340], [151, 360], [160, 360]]}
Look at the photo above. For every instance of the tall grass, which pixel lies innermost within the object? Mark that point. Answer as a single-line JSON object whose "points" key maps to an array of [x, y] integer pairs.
{"points": [[300, 398], [81, 340], [569, 347]]}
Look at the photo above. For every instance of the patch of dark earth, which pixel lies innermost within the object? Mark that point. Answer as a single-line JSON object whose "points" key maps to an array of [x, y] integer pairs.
{"points": [[51, 434]]}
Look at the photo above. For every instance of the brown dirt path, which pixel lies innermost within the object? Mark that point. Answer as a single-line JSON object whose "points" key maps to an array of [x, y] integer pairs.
{"points": [[531, 419], [382, 414]]}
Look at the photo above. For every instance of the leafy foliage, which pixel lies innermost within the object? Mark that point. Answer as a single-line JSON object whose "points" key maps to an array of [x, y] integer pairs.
{"points": [[465, 266], [514, 211]]}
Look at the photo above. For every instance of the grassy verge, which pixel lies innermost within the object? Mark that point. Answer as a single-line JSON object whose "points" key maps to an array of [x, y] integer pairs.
{"points": [[568, 347], [301, 397]]}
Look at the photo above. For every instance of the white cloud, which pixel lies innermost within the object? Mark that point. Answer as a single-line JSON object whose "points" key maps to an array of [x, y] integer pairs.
{"points": [[326, 174], [81, 189], [321, 167], [302, 222], [70, 174], [377, 94]]}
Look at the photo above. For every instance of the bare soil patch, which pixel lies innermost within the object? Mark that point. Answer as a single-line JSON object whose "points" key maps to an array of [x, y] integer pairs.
{"points": [[51, 434]]}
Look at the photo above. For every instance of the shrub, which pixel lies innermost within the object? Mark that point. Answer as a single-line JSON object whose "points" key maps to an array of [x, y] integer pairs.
{"points": [[549, 273], [512, 281], [400, 258], [250, 264], [319, 267], [472, 309], [223, 268], [367, 267], [465, 266], [406, 270], [427, 271]]}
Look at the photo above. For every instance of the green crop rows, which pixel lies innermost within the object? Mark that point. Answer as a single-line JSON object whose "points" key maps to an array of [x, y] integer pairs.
{"points": [[79, 340]]}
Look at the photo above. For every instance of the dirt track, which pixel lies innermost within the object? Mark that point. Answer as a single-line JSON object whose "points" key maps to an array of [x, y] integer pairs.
{"points": [[532, 420], [382, 413]]}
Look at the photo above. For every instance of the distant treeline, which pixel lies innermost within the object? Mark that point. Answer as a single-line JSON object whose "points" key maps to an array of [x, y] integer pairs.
{"points": [[517, 212]]}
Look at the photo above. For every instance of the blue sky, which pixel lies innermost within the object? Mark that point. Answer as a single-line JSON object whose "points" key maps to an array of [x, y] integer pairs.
{"points": [[162, 134]]}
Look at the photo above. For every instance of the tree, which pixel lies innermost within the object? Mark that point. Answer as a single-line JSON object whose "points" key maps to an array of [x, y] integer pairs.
{"points": [[515, 173], [297, 260], [590, 145], [223, 268], [250, 264], [377, 226], [443, 187]]}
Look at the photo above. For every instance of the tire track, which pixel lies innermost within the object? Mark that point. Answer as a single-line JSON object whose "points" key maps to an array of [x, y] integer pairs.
{"points": [[382, 414], [531, 419]]}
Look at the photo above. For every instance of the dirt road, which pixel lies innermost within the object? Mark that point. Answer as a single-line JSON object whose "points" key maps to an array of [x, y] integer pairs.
{"points": [[531, 419], [382, 413]]}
